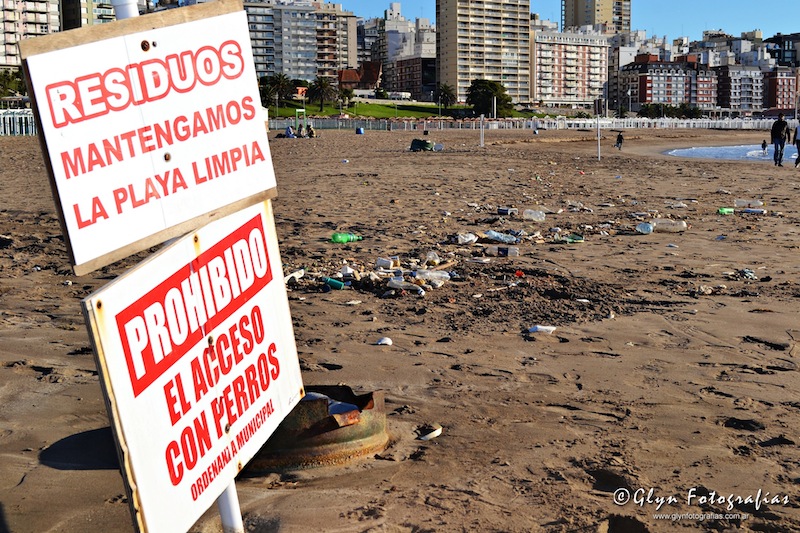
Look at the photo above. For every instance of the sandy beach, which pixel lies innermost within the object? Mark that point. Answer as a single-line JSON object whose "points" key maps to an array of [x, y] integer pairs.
{"points": [[665, 398]]}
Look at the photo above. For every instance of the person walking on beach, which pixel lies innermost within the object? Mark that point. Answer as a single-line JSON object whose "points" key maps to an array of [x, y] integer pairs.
{"points": [[780, 134], [620, 140], [764, 147], [797, 145]]}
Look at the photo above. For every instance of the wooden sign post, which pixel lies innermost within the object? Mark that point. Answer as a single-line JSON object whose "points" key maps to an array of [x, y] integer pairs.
{"points": [[152, 129]]}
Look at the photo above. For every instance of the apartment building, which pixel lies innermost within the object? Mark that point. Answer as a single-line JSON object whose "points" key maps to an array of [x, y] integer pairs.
{"points": [[368, 31], [741, 89], [484, 40], [415, 66], [623, 49], [261, 23], [779, 88], [785, 49], [394, 31], [79, 13], [21, 20], [613, 15], [648, 80], [568, 68], [337, 39]]}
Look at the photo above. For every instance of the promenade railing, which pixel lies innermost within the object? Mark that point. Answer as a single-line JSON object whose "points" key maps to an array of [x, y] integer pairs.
{"points": [[17, 122], [409, 124], [22, 122]]}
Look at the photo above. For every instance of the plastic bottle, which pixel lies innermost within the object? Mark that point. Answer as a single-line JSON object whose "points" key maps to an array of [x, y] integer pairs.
{"points": [[343, 238], [428, 275], [645, 228], [396, 283], [741, 202], [502, 251], [533, 214], [333, 283], [725, 210], [500, 237], [668, 225], [507, 210], [753, 211], [432, 258]]}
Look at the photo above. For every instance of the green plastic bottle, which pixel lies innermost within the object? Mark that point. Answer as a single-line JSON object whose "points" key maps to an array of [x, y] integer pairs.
{"points": [[343, 238], [333, 283]]}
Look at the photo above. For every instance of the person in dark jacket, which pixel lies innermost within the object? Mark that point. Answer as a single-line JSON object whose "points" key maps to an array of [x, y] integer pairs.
{"points": [[780, 134], [620, 140]]}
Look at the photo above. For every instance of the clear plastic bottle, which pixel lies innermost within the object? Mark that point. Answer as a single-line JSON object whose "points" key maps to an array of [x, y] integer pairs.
{"points": [[501, 237], [533, 214], [502, 251], [429, 275], [343, 238], [432, 258], [749, 202], [402, 284], [667, 225]]}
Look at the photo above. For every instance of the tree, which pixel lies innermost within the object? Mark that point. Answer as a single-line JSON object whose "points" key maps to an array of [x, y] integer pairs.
{"points": [[482, 93], [446, 95], [346, 96], [267, 92], [321, 89], [11, 83], [282, 85]]}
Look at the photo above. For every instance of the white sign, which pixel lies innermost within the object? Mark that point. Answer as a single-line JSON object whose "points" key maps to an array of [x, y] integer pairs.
{"points": [[197, 355], [150, 130]]}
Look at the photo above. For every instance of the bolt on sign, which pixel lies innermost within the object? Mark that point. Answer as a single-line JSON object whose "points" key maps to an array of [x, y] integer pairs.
{"points": [[150, 126], [198, 362]]}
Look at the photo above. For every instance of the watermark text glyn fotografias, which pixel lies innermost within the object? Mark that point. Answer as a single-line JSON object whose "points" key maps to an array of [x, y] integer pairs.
{"points": [[645, 497]]}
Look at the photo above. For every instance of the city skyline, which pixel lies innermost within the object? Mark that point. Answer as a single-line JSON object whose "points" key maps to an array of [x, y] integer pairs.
{"points": [[730, 16]]}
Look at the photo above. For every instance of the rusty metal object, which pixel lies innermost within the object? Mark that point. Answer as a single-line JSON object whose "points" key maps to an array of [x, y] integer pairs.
{"points": [[311, 436]]}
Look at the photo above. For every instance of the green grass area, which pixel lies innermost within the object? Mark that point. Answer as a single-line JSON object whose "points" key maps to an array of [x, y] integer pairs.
{"points": [[415, 110]]}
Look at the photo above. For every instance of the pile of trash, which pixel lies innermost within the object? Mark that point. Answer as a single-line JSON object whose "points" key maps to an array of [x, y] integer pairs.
{"points": [[387, 276]]}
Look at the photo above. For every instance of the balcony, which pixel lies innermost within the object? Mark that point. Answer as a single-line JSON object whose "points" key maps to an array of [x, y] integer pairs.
{"points": [[35, 7]]}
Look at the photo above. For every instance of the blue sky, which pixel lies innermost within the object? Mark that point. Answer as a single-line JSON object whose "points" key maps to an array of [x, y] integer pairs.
{"points": [[673, 18]]}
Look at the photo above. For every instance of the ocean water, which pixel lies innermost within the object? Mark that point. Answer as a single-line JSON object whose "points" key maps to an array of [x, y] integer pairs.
{"points": [[744, 152]]}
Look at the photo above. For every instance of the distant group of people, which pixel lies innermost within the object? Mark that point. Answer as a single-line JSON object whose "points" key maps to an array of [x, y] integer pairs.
{"points": [[780, 135], [302, 132]]}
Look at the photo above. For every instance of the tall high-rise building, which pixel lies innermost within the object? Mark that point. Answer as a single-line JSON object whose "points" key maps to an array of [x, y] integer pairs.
{"points": [[301, 39], [615, 15], [261, 21], [21, 20], [337, 39], [295, 39], [484, 40]]}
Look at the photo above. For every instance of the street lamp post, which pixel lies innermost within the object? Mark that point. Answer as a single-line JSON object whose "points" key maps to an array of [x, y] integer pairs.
{"points": [[440, 105], [629, 100]]}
